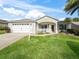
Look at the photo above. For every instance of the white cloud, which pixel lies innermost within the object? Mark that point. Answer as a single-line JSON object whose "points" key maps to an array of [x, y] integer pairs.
{"points": [[30, 11], [32, 1], [1, 5], [27, 6], [14, 11], [62, 19], [6, 1], [34, 14]]}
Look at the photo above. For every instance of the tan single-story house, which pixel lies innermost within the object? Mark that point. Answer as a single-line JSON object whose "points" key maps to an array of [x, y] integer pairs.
{"points": [[45, 24]]}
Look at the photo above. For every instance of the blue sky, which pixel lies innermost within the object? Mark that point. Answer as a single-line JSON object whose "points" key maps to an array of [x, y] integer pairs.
{"points": [[20, 9]]}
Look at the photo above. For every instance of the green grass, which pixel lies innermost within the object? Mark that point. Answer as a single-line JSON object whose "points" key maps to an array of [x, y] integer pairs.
{"points": [[59, 46], [2, 31]]}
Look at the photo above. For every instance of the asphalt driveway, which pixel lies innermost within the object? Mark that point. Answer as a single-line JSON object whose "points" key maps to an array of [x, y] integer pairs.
{"points": [[9, 38]]}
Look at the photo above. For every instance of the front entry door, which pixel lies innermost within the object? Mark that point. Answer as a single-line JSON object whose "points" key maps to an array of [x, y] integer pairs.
{"points": [[52, 28]]}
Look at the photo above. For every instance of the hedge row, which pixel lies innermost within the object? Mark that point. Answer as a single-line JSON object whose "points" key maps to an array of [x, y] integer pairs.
{"points": [[72, 31]]}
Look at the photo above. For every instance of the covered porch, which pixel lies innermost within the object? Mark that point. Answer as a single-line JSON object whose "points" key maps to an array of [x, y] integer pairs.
{"points": [[47, 28], [47, 25]]}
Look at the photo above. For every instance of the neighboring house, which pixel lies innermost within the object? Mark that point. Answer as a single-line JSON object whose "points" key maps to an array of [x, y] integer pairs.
{"points": [[45, 24], [3, 23], [63, 26], [75, 26]]}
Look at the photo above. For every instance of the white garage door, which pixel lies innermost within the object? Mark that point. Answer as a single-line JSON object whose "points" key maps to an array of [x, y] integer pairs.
{"points": [[22, 28]]}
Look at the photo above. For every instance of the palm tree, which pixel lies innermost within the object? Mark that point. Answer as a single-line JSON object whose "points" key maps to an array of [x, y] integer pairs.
{"points": [[72, 6]]}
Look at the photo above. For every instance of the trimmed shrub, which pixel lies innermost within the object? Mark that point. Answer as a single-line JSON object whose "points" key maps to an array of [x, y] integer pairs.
{"points": [[72, 31], [6, 29]]}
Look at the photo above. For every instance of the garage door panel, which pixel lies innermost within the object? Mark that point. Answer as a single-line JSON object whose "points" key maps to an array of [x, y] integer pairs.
{"points": [[22, 28]]}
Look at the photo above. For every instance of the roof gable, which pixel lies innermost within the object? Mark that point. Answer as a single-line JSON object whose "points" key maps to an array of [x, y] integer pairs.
{"points": [[76, 23], [46, 19]]}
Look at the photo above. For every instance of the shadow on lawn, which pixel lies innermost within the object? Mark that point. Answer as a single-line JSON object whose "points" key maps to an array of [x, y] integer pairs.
{"points": [[74, 46]]}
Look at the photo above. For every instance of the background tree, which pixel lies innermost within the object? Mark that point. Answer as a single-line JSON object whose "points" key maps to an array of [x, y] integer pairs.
{"points": [[75, 19], [68, 20]]}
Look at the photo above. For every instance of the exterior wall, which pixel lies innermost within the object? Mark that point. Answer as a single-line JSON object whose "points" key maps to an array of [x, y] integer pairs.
{"points": [[56, 27], [75, 27], [10, 26], [34, 28], [69, 26], [50, 30], [63, 26]]}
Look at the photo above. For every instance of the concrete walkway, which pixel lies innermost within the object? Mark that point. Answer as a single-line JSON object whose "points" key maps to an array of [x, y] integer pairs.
{"points": [[9, 38]]}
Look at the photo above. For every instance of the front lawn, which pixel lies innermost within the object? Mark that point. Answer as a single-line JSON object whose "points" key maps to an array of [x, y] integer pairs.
{"points": [[59, 46], [2, 31]]}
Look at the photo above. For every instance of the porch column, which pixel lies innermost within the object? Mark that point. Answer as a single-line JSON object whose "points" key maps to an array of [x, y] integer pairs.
{"points": [[37, 27], [56, 27], [50, 31]]}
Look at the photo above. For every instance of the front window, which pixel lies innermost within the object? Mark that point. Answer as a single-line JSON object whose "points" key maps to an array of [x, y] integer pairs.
{"points": [[62, 27], [43, 26]]}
